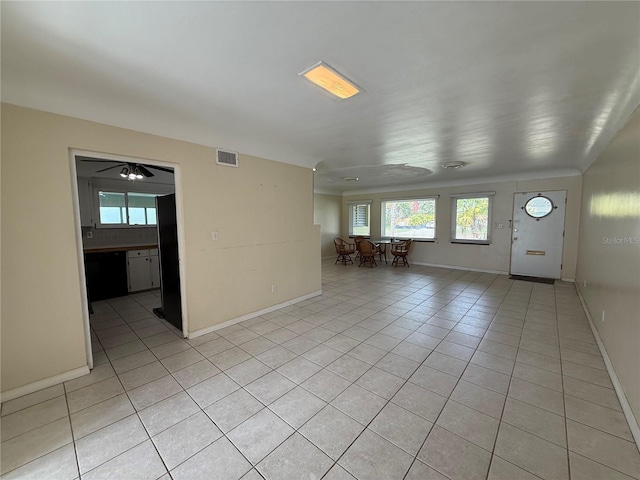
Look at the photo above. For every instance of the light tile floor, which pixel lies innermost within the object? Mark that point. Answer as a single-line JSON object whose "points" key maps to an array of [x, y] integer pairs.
{"points": [[393, 373]]}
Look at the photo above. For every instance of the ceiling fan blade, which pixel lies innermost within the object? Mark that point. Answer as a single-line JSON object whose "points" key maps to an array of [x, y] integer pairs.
{"points": [[109, 168], [144, 171], [162, 169], [83, 159]]}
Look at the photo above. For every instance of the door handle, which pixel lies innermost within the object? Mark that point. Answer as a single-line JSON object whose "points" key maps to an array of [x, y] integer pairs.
{"points": [[515, 238]]}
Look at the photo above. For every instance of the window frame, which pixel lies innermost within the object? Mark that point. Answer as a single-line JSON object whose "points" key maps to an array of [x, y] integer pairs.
{"points": [[454, 214], [351, 207], [120, 186], [383, 212]]}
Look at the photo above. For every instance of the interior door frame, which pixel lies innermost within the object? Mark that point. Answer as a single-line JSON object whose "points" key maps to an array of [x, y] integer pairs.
{"points": [[177, 180], [564, 228]]}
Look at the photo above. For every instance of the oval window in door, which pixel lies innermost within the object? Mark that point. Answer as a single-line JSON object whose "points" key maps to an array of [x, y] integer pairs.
{"points": [[538, 207]]}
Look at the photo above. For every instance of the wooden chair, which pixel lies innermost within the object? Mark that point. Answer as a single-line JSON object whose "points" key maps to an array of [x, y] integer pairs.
{"points": [[368, 253], [400, 250], [357, 239], [344, 251]]}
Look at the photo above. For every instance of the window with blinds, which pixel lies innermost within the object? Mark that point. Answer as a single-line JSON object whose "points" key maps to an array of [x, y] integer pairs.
{"points": [[359, 215]]}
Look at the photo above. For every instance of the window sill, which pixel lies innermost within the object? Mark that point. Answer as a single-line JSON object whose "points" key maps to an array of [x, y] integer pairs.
{"points": [[415, 240], [99, 226], [470, 242]]}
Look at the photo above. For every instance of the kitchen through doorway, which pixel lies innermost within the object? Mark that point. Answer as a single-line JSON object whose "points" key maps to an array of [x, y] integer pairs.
{"points": [[122, 251]]}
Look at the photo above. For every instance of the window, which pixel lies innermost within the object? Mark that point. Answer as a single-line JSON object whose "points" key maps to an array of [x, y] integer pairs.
{"points": [[409, 218], [142, 208], [538, 207], [113, 210], [359, 214], [127, 208], [472, 218]]}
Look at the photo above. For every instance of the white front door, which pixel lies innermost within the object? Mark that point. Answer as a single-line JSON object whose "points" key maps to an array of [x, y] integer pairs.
{"points": [[538, 233]]}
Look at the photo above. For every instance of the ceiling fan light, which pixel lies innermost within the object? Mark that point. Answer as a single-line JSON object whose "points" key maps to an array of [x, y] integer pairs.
{"points": [[132, 176], [125, 172]]}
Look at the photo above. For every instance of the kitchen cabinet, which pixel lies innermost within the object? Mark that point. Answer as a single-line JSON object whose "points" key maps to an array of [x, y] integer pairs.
{"points": [[143, 269], [106, 274], [154, 265], [85, 202]]}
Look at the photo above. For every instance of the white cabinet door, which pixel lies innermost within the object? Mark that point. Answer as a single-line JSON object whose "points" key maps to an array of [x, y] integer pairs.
{"points": [[139, 274], [85, 202], [154, 265]]}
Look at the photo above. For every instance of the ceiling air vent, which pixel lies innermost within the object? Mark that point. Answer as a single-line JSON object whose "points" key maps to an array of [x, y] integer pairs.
{"points": [[224, 157]]}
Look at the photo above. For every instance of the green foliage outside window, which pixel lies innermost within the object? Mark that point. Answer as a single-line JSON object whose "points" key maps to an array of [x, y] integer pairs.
{"points": [[472, 218], [410, 218]]}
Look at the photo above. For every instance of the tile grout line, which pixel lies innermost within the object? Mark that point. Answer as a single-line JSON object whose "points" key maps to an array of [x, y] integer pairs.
{"points": [[415, 457], [495, 441], [136, 412], [564, 403], [390, 401], [73, 439], [460, 378], [329, 404], [443, 291]]}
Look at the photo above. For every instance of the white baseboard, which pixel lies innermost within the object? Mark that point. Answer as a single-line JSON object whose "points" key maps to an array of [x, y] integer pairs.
{"points": [[455, 267], [570, 280], [44, 383], [248, 316], [617, 386]]}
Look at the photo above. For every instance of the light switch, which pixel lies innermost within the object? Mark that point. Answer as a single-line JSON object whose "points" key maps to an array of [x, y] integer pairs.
{"points": [[214, 236]]}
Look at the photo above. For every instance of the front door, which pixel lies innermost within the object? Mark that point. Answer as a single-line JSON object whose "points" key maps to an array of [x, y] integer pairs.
{"points": [[538, 233]]}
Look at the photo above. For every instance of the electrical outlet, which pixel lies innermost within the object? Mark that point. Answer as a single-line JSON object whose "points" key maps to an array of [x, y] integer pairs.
{"points": [[89, 234], [214, 236], [273, 288], [603, 315], [501, 225]]}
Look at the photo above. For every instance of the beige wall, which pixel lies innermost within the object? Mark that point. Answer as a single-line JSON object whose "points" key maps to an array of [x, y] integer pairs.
{"points": [[494, 257], [326, 213], [262, 211], [608, 273]]}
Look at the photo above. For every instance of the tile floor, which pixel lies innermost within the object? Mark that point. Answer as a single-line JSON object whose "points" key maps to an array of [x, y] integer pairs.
{"points": [[420, 373]]}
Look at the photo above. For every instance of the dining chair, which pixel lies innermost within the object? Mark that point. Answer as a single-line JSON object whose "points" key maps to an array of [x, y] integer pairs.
{"points": [[400, 250], [357, 239], [368, 252], [344, 251]]}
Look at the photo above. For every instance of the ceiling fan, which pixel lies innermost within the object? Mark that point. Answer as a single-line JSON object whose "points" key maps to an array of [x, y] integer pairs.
{"points": [[130, 170]]}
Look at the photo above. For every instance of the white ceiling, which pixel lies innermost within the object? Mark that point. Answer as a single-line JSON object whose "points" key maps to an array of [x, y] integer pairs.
{"points": [[516, 89]]}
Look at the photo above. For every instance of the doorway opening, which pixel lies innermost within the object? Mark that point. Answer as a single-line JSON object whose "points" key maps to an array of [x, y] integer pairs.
{"points": [[129, 234]]}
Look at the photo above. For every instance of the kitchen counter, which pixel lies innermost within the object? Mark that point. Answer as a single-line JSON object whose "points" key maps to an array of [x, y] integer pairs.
{"points": [[124, 248]]}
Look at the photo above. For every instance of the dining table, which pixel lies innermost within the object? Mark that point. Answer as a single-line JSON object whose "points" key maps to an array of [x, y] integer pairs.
{"points": [[381, 245]]}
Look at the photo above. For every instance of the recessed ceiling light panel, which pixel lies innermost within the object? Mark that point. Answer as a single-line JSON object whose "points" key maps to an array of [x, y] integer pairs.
{"points": [[331, 80]]}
